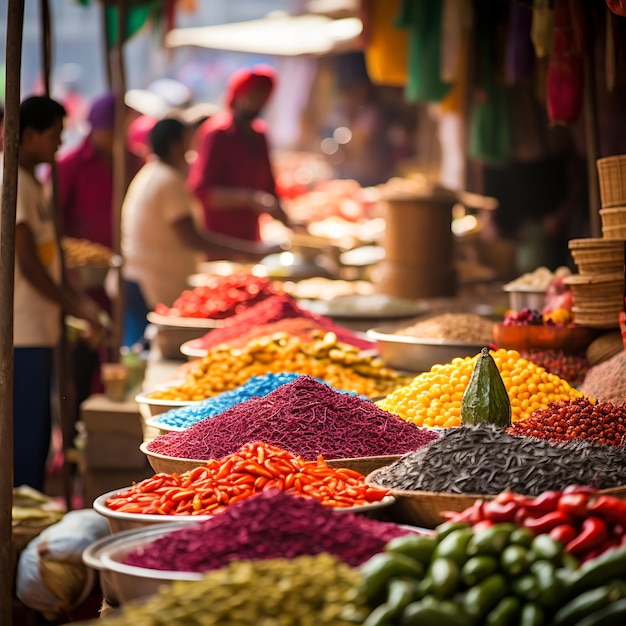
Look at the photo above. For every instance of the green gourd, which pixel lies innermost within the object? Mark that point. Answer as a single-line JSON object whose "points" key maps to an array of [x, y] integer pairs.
{"points": [[486, 400]]}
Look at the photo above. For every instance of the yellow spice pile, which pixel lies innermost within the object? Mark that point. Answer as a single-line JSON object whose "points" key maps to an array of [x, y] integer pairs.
{"points": [[434, 397]]}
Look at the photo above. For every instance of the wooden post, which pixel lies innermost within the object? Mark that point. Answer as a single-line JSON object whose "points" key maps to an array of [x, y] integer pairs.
{"points": [[15, 23], [119, 171], [591, 126]]}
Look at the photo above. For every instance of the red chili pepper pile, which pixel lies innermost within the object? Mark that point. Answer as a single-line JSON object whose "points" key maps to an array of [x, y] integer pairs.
{"points": [[586, 523], [221, 297], [255, 467], [603, 423]]}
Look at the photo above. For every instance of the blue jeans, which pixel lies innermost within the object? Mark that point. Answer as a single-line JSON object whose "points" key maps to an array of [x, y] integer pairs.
{"points": [[135, 312], [32, 415]]}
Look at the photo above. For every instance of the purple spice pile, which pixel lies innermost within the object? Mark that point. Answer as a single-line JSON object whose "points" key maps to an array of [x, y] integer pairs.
{"points": [[304, 417], [269, 525]]}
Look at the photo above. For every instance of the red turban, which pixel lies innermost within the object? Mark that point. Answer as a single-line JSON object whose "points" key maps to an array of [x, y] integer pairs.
{"points": [[246, 80]]}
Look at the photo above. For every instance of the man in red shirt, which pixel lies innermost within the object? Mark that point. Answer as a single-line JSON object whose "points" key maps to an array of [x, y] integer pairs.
{"points": [[85, 178], [232, 176]]}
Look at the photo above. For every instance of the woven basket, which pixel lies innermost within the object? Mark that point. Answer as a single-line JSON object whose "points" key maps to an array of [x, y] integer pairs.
{"points": [[171, 465], [597, 256], [426, 508], [613, 216], [612, 177], [596, 319], [614, 232], [604, 347]]}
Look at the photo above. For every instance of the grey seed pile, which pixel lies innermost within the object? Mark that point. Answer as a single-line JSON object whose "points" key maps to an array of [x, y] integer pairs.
{"points": [[485, 460]]}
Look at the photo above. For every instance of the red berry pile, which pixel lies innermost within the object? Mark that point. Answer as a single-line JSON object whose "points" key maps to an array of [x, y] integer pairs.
{"points": [[525, 317], [565, 420], [570, 367]]}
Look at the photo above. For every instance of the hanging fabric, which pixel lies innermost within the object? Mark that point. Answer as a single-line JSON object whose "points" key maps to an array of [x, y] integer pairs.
{"points": [[609, 53], [519, 47], [617, 6], [422, 18], [565, 69], [452, 31], [541, 28], [386, 47]]}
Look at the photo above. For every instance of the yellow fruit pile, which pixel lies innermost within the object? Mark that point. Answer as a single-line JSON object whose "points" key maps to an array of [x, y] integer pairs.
{"points": [[434, 397]]}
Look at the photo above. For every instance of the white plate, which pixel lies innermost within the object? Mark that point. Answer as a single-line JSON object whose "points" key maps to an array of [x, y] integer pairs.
{"points": [[189, 350], [372, 307], [156, 406], [183, 322]]}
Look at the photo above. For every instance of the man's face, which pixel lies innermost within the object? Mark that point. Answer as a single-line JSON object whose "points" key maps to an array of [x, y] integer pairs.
{"points": [[45, 144], [249, 106]]}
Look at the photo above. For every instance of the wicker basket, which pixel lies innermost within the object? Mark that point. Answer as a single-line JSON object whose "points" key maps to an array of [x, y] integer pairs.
{"points": [[171, 465], [604, 347], [614, 232], [426, 508], [612, 177], [613, 216], [597, 256]]}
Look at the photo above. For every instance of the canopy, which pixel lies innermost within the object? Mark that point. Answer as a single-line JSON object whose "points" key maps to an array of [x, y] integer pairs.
{"points": [[279, 35]]}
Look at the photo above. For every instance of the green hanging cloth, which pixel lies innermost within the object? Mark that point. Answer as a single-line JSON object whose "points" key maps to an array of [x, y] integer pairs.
{"points": [[423, 19], [490, 126]]}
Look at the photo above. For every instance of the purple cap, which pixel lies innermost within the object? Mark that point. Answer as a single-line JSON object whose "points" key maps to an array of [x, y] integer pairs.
{"points": [[102, 113]]}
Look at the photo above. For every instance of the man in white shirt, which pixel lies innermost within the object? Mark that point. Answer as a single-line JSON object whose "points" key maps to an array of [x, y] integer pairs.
{"points": [[160, 241], [39, 297]]}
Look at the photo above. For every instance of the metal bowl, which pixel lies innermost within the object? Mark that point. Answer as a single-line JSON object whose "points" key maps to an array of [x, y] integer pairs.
{"points": [[120, 521], [123, 583], [412, 354]]}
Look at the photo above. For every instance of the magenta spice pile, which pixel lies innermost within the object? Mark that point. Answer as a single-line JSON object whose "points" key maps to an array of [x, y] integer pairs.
{"points": [[266, 526], [270, 310], [304, 417]]}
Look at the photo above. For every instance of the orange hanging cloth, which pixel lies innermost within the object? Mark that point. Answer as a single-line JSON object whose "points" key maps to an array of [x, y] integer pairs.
{"points": [[386, 45]]}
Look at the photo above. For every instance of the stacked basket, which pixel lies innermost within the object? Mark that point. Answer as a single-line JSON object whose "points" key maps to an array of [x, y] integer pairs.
{"points": [[612, 178], [598, 289]]}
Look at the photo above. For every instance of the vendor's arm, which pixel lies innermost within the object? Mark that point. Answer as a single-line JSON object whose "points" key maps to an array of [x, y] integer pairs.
{"points": [[221, 245], [35, 273]]}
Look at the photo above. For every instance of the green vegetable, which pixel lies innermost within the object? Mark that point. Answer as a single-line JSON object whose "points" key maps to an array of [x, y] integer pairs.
{"points": [[611, 564], [522, 536], [444, 574], [382, 615], [490, 540], [478, 568], [612, 615], [544, 547], [454, 545], [514, 560], [400, 592], [505, 613], [588, 602], [486, 400], [447, 527], [419, 547], [531, 615], [483, 598], [439, 614], [552, 589], [385, 565], [526, 587]]}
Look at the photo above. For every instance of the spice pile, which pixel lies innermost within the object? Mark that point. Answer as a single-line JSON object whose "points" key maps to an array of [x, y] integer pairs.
{"points": [[485, 460], [85, 253], [276, 313], [255, 467], [315, 590], [463, 327], [221, 296], [587, 524], [434, 397], [270, 525], [569, 367], [305, 417], [340, 365], [607, 381], [602, 424], [258, 386]]}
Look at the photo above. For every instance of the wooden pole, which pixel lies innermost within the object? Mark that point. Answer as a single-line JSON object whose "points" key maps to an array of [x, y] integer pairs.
{"points": [[15, 24], [590, 107], [119, 171]]}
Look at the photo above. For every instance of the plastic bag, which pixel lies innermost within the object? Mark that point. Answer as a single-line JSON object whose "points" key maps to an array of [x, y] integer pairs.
{"points": [[51, 577]]}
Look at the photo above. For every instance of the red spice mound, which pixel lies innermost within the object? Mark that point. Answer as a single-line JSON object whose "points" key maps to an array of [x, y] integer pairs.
{"points": [[269, 525], [252, 321], [306, 418], [221, 297], [603, 423], [569, 367]]}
